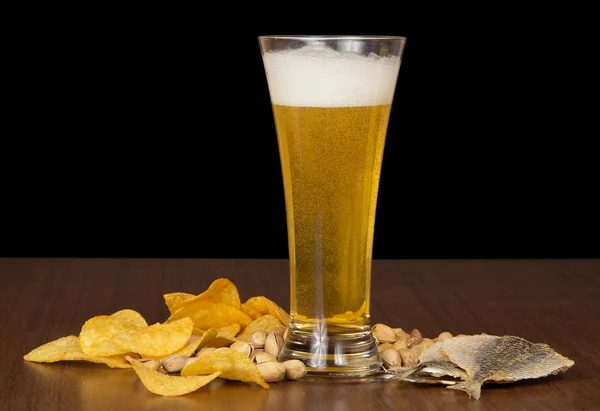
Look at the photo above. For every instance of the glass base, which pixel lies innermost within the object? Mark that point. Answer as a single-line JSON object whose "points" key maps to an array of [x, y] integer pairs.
{"points": [[333, 352]]}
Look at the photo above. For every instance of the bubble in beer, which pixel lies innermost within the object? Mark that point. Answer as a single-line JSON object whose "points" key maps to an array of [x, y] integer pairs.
{"points": [[319, 76]]}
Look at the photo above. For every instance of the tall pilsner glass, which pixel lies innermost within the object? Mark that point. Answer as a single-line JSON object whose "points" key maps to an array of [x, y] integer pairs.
{"points": [[331, 98]]}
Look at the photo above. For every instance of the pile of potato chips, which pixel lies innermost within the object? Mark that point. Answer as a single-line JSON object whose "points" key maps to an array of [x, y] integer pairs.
{"points": [[214, 318]]}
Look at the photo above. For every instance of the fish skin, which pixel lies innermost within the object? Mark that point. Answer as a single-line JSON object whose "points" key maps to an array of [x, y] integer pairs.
{"points": [[477, 359]]}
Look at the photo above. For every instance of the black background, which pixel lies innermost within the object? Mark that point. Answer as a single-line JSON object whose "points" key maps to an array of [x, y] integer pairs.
{"points": [[149, 133]]}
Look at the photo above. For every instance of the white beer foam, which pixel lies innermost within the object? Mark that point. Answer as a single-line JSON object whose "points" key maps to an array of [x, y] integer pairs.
{"points": [[318, 76]]}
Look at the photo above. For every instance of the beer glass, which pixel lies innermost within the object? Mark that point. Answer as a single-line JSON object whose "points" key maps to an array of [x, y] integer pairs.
{"points": [[331, 99]]}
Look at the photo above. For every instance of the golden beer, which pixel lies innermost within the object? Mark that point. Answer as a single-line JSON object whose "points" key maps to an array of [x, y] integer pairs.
{"points": [[331, 100], [331, 160]]}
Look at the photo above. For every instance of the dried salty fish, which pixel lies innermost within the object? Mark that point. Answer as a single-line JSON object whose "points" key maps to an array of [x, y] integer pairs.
{"points": [[466, 362]]}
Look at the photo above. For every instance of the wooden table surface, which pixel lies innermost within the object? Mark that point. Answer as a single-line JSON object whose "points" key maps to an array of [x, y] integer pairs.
{"points": [[551, 301]]}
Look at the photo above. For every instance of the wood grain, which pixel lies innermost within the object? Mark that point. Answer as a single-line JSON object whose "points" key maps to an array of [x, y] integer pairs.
{"points": [[552, 301]]}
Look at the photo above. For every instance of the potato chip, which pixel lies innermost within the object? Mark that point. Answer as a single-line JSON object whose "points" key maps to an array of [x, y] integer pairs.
{"points": [[159, 340], [233, 365], [99, 335], [209, 314], [222, 330], [219, 342], [252, 313], [169, 385], [265, 322], [265, 306], [175, 300], [229, 331], [68, 349], [223, 291], [206, 338], [210, 338], [190, 348]]}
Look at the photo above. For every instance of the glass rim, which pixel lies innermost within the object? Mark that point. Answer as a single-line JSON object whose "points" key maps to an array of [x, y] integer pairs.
{"points": [[331, 37]]}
